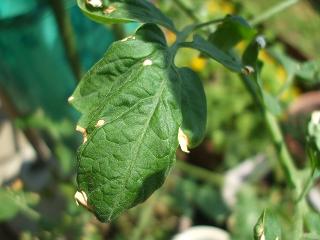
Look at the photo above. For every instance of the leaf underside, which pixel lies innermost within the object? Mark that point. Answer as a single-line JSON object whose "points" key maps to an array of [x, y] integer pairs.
{"points": [[135, 92], [119, 11]]}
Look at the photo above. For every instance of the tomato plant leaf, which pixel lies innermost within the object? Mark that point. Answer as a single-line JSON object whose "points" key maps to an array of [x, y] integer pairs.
{"points": [[193, 107], [214, 52], [118, 11], [267, 227], [230, 32], [130, 102]]}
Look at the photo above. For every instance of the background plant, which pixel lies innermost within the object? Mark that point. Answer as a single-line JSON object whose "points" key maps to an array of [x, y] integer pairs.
{"points": [[234, 121]]}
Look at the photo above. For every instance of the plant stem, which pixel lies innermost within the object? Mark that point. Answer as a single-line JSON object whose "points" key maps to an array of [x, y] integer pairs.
{"points": [[273, 11], [67, 34], [307, 186], [214, 21], [33, 136], [285, 158], [186, 10], [200, 173]]}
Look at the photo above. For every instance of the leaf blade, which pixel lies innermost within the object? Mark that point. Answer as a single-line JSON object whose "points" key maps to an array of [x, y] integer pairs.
{"points": [[194, 107], [128, 156], [214, 52], [117, 11]]}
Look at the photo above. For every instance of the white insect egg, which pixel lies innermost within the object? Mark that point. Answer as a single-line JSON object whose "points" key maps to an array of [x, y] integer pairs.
{"points": [[147, 62], [261, 41], [95, 3]]}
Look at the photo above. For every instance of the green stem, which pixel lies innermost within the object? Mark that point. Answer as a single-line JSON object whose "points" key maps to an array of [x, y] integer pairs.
{"points": [[285, 158], [66, 32], [186, 10], [273, 11], [205, 24], [214, 179], [307, 186]]}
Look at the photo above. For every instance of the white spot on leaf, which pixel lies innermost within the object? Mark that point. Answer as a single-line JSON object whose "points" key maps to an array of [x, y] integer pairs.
{"points": [[247, 70], [82, 199], [100, 123], [95, 3], [147, 62], [109, 10], [261, 41], [70, 99], [183, 141], [84, 133]]}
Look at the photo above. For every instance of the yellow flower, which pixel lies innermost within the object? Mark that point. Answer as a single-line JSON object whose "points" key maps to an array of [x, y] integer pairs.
{"points": [[281, 75], [213, 7], [198, 63], [227, 7], [171, 37], [266, 58]]}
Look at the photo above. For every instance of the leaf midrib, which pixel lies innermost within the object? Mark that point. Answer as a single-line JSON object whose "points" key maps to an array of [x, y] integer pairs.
{"points": [[133, 160]]}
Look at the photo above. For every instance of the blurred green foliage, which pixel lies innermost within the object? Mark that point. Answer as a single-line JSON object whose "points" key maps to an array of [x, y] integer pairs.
{"points": [[235, 132]]}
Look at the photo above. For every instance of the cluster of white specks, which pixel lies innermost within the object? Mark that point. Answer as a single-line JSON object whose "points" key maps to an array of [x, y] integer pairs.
{"points": [[95, 3], [247, 70], [261, 41], [147, 62]]}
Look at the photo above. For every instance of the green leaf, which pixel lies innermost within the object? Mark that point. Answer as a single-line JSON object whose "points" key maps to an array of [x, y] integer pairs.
{"points": [[13, 202], [130, 101], [194, 107], [210, 202], [267, 227], [250, 55], [310, 72], [119, 11], [214, 52], [232, 30], [312, 221]]}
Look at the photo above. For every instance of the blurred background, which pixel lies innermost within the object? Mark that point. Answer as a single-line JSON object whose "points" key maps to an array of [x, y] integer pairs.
{"points": [[225, 183]]}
